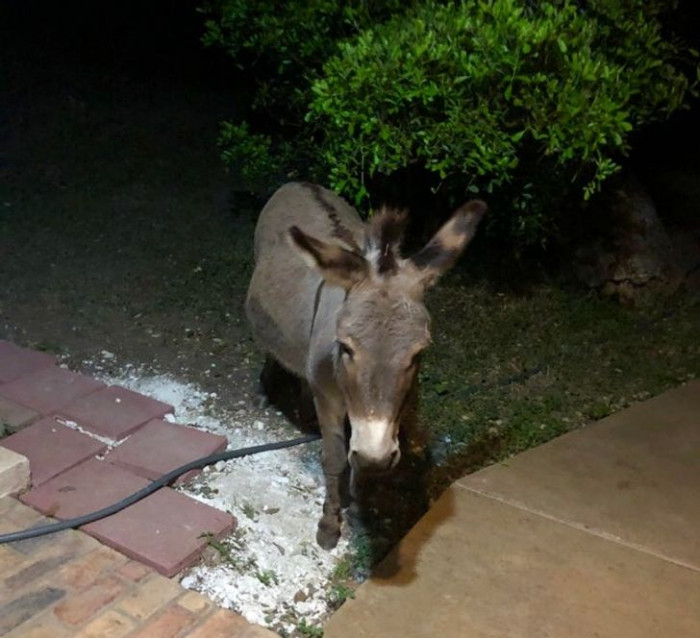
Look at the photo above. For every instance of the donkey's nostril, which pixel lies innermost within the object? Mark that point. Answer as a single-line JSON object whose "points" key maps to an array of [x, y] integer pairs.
{"points": [[372, 464]]}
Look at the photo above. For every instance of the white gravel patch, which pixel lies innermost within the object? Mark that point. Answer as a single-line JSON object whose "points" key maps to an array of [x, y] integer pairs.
{"points": [[270, 570]]}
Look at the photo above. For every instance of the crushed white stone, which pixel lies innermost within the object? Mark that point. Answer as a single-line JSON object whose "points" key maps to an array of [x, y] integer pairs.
{"points": [[273, 572]]}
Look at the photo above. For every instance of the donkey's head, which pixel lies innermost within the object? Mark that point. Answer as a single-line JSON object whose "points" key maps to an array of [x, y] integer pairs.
{"points": [[383, 326]]}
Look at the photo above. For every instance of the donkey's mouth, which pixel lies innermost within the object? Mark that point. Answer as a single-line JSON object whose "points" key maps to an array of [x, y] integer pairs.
{"points": [[372, 466]]}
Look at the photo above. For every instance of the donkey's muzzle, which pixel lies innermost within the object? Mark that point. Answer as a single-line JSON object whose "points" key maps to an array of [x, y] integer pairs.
{"points": [[365, 464], [374, 446]]}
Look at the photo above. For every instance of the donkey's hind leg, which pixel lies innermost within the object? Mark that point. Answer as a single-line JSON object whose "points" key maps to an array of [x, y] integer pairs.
{"points": [[308, 420], [264, 383]]}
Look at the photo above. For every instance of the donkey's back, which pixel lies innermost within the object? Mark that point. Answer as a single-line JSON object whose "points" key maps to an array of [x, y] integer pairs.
{"points": [[283, 289]]}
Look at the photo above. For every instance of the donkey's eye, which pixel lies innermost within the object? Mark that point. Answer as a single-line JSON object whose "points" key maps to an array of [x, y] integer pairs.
{"points": [[346, 350]]}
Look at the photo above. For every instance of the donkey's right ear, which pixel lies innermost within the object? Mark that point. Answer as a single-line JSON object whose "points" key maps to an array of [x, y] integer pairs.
{"points": [[339, 267], [443, 250]]}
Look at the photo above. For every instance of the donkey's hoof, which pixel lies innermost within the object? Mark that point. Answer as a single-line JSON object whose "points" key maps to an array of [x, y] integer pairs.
{"points": [[260, 399], [327, 536], [261, 402]]}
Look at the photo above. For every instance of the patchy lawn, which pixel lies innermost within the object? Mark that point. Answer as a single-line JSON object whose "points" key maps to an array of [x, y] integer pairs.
{"points": [[509, 372]]}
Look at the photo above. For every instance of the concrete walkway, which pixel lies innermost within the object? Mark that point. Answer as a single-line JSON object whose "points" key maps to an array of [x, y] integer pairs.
{"points": [[595, 534]]}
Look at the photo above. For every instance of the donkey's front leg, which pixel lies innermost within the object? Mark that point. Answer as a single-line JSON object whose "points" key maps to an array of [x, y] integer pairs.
{"points": [[331, 417]]}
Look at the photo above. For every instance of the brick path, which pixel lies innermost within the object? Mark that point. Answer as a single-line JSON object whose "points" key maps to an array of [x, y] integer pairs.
{"points": [[90, 446], [68, 584]]}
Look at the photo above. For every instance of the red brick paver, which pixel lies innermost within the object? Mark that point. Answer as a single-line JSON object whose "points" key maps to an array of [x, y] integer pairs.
{"points": [[84, 604], [49, 389], [167, 624], [114, 412], [15, 416], [159, 447], [52, 448], [164, 530], [153, 595], [85, 488], [16, 361]]}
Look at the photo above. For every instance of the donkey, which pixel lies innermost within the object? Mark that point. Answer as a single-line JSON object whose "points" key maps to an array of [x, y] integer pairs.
{"points": [[340, 308]]}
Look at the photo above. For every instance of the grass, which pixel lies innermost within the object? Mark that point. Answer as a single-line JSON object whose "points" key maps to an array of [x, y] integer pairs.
{"points": [[267, 577], [339, 593], [306, 630], [249, 511], [224, 551], [507, 372], [342, 581], [343, 570], [227, 550]]}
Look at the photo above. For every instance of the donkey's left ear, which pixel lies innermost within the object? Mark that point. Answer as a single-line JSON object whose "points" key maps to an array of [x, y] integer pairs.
{"points": [[339, 267], [443, 250]]}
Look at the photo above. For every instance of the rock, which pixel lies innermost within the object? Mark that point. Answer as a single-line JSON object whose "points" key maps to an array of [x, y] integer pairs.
{"points": [[211, 556], [635, 260]]}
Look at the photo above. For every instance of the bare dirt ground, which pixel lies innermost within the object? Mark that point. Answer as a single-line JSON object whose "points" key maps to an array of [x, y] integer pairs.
{"points": [[114, 210]]}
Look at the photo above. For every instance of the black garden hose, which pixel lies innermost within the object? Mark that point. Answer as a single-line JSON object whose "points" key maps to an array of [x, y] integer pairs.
{"points": [[72, 523], [214, 458]]}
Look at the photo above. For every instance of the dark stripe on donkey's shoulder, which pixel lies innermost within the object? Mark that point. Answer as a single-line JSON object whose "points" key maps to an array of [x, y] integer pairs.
{"points": [[339, 231]]}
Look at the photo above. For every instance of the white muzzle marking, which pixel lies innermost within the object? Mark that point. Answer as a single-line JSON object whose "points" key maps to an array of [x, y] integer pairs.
{"points": [[373, 441]]}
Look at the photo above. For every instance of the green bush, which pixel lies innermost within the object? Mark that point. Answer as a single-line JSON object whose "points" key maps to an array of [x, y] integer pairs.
{"points": [[525, 105], [283, 45], [530, 104]]}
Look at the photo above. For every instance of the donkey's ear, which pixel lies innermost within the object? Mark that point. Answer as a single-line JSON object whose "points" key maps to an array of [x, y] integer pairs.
{"points": [[384, 234], [442, 251], [339, 267]]}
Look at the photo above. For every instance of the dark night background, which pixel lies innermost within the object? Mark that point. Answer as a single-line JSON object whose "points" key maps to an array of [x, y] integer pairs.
{"points": [[157, 42], [118, 102]]}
